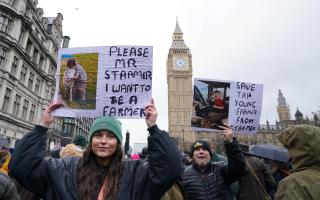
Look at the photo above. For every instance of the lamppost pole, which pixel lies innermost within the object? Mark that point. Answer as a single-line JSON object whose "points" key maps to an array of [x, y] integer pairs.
{"points": [[183, 140], [126, 144]]}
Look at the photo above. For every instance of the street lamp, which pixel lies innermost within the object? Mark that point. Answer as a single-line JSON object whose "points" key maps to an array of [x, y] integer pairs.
{"points": [[183, 139], [126, 144]]}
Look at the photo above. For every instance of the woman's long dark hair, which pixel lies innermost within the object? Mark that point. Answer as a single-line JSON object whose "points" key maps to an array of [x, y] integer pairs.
{"points": [[90, 173]]}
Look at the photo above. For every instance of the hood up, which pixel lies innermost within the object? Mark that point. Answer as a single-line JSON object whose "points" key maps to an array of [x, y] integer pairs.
{"points": [[303, 144]]}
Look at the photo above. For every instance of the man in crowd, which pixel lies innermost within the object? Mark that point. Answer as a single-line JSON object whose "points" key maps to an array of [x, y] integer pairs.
{"points": [[211, 180]]}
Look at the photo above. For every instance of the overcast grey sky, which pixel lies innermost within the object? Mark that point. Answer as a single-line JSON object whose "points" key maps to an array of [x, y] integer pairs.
{"points": [[273, 42]]}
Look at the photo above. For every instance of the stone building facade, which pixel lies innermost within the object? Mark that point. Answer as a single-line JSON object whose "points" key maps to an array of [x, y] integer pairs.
{"points": [[29, 44]]}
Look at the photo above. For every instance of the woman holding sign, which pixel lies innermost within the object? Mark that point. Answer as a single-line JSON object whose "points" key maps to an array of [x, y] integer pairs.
{"points": [[101, 173]]}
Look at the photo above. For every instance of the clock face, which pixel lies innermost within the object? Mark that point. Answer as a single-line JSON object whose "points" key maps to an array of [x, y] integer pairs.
{"points": [[181, 62]]}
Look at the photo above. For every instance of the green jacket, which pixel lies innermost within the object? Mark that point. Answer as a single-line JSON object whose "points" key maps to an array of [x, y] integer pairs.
{"points": [[302, 142]]}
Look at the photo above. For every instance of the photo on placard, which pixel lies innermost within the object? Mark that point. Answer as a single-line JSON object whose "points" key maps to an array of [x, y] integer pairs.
{"points": [[78, 80], [210, 104]]}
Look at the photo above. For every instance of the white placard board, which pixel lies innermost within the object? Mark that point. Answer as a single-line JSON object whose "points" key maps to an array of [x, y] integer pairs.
{"points": [[104, 81], [233, 102]]}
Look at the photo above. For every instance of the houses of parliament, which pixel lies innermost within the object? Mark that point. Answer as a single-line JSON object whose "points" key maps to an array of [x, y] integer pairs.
{"points": [[180, 99]]}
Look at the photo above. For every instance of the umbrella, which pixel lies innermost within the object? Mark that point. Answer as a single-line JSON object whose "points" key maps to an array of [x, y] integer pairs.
{"points": [[271, 152]]}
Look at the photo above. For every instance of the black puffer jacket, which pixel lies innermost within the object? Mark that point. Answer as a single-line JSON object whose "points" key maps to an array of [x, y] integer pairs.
{"points": [[8, 190], [55, 179], [215, 182]]}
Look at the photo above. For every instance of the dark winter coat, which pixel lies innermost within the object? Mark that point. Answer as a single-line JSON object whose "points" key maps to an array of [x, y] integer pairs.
{"points": [[249, 187], [234, 187], [8, 190], [215, 182], [24, 193], [55, 179]]}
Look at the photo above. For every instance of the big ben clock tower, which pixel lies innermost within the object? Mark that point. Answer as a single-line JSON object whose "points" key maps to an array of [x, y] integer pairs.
{"points": [[179, 79]]}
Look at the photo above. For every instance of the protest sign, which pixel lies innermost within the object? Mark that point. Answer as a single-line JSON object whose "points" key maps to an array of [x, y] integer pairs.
{"points": [[216, 102], [245, 107], [104, 81]]}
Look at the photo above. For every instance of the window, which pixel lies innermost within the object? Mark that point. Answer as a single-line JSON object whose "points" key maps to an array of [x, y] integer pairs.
{"points": [[32, 110], [68, 126], [35, 55], [27, 11], [30, 83], [14, 66], [11, 2], [3, 52], [25, 109], [23, 74], [6, 100], [28, 48], [46, 91], [52, 93], [50, 72], [16, 105], [4, 23], [55, 50], [37, 86], [49, 28], [22, 35], [37, 32], [41, 62]]}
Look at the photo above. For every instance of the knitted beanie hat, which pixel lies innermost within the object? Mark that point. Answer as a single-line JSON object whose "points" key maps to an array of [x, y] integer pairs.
{"points": [[106, 124], [80, 140], [200, 143]]}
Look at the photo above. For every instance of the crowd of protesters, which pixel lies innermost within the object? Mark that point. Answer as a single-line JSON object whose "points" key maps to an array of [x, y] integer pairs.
{"points": [[96, 169]]}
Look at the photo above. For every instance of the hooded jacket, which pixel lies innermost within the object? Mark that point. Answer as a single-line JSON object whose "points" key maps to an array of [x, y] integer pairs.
{"points": [[55, 179], [302, 142]]}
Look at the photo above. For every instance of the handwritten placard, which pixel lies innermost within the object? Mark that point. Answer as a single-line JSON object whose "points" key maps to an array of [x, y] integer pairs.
{"points": [[104, 81], [245, 107], [216, 102], [127, 81]]}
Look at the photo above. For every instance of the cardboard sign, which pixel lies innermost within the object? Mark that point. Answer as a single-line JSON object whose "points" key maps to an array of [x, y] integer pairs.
{"points": [[216, 102], [104, 81]]}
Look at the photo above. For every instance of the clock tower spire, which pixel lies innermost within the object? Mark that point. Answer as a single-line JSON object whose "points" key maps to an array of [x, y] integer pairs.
{"points": [[179, 79], [177, 38]]}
